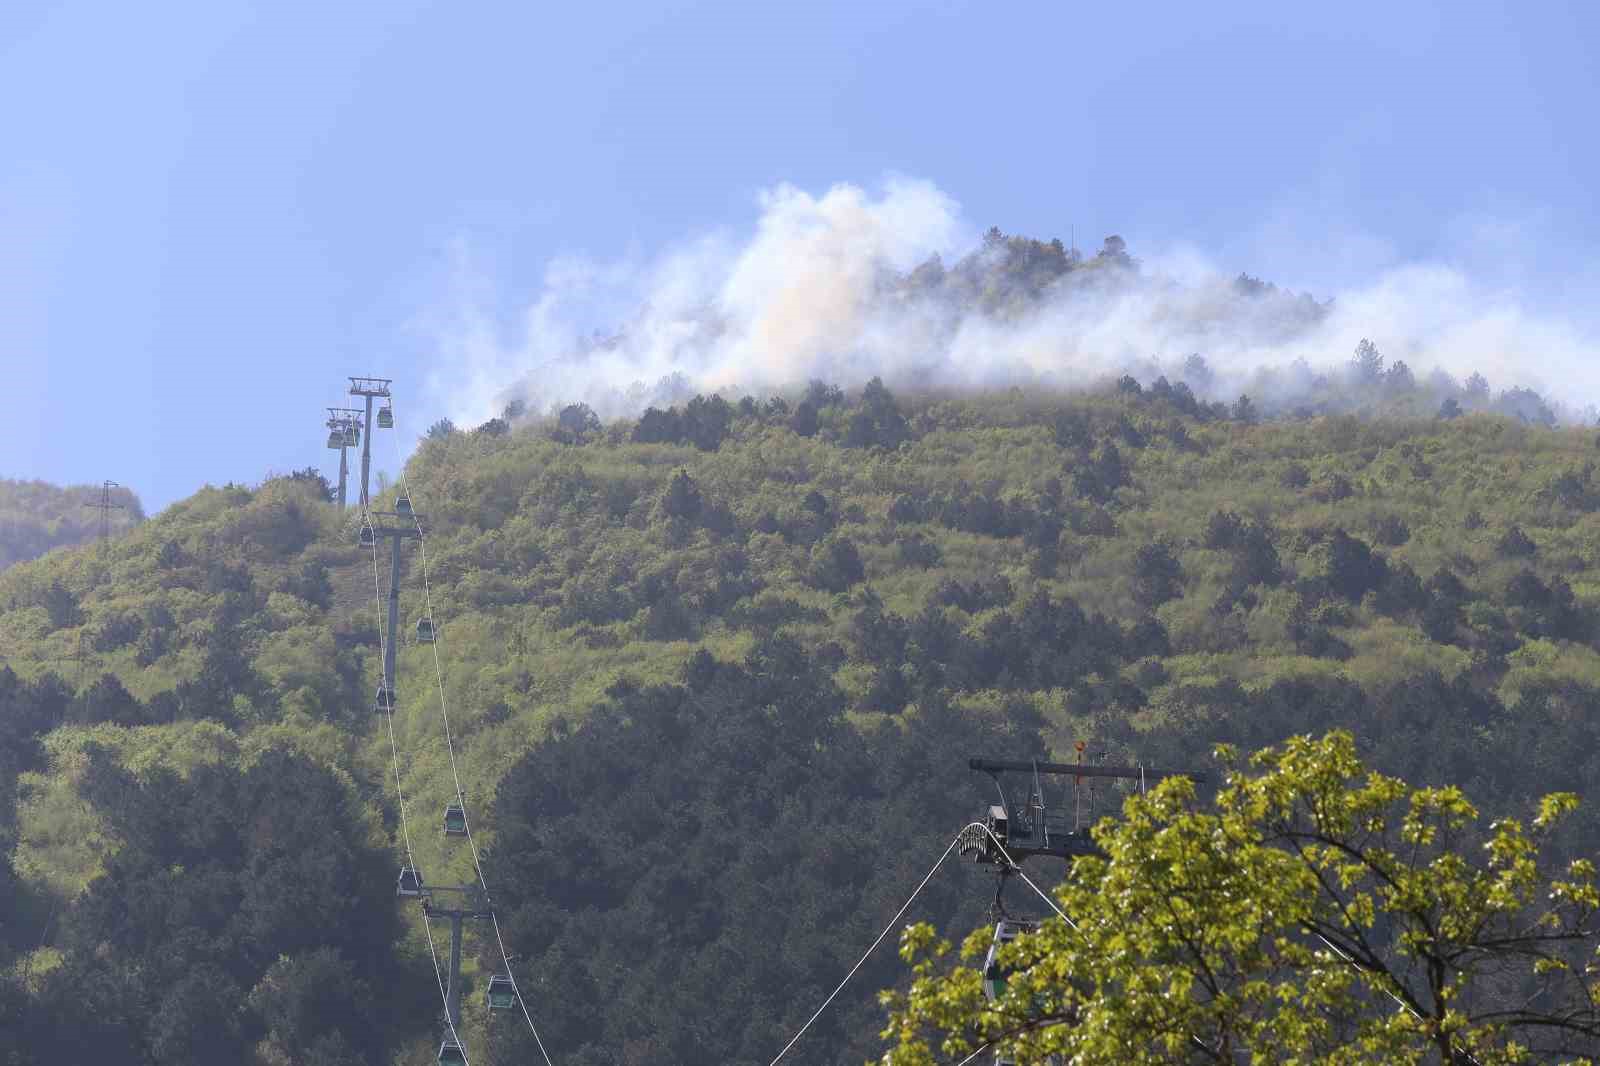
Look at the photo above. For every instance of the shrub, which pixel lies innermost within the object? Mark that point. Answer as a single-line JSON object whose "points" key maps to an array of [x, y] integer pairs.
{"points": [[1157, 575], [1515, 544], [1392, 531]]}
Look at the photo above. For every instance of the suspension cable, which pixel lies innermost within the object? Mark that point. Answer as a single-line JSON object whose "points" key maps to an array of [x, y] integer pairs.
{"points": [[862, 961], [450, 744], [394, 754]]}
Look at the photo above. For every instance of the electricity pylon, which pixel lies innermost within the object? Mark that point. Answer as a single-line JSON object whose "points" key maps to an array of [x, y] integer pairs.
{"points": [[105, 507]]}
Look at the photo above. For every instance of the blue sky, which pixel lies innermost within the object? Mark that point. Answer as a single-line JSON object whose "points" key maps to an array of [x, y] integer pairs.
{"points": [[212, 212]]}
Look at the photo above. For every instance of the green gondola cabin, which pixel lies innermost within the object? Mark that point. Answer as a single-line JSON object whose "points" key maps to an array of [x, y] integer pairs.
{"points": [[502, 994], [410, 883], [994, 974]]}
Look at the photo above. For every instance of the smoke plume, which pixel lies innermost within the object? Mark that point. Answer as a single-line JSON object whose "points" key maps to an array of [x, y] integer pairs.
{"points": [[853, 284]]}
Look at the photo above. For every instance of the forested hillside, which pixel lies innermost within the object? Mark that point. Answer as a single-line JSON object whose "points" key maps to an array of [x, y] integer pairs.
{"points": [[714, 675], [36, 516]]}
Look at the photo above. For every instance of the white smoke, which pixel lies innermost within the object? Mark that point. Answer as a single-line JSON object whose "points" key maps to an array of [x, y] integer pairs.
{"points": [[818, 290]]}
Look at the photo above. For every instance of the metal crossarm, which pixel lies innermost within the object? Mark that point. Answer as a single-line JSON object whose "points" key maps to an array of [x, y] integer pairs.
{"points": [[1014, 832], [370, 386], [1066, 769]]}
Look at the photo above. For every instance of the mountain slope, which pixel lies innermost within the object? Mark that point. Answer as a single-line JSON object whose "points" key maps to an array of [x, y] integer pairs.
{"points": [[1009, 571]]}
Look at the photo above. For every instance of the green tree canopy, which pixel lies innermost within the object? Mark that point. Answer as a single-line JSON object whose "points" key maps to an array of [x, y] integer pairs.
{"points": [[1313, 912]]}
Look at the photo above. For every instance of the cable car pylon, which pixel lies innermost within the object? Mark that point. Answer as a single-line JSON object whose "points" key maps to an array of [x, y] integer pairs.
{"points": [[344, 433], [369, 388], [473, 905], [1011, 833], [407, 526]]}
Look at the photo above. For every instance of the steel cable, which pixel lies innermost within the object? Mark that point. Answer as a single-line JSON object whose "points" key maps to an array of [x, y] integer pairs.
{"points": [[394, 754], [449, 736], [862, 961]]}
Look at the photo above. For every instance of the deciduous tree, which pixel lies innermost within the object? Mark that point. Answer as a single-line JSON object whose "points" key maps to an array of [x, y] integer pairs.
{"points": [[1314, 912]]}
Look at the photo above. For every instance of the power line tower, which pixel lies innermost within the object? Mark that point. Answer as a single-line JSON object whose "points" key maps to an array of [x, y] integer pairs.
{"points": [[344, 432], [105, 507], [370, 388]]}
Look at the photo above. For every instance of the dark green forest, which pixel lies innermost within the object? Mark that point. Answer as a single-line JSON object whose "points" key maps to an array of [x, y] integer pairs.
{"points": [[714, 675]]}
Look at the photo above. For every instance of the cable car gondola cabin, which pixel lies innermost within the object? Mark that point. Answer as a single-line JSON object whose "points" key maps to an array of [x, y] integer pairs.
{"points": [[455, 821], [502, 994], [383, 700], [385, 417], [452, 1053], [410, 883], [994, 975], [368, 539], [336, 440], [403, 505], [425, 631]]}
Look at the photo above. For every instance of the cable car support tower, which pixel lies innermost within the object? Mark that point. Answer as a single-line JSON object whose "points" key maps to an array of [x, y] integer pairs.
{"points": [[369, 388], [406, 525], [1012, 832], [474, 905], [344, 431]]}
